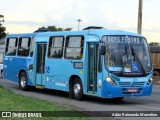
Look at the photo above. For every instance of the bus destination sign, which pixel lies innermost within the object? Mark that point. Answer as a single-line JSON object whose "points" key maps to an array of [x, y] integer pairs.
{"points": [[122, 39]]}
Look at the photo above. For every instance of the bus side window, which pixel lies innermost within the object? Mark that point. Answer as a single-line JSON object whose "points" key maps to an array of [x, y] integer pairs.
{"points": [[74, 47], [23, 47], [55, 49], [11, 47]]}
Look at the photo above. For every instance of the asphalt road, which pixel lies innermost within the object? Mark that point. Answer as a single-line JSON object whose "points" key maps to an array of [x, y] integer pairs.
{"points": [[149, 103]]}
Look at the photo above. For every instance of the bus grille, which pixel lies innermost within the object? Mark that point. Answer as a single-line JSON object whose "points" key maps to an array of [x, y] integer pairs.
{"points": [[131, 83]]}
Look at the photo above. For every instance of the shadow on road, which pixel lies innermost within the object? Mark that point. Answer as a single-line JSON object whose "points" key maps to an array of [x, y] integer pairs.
{"points": [[91, 99], [87, 98]]}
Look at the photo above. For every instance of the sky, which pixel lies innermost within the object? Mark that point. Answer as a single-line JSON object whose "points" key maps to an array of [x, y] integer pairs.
{"points": [[23, 16]]}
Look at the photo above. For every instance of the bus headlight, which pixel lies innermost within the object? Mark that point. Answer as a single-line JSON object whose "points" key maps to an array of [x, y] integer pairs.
{"points": [[150, 81], [109, 80]]}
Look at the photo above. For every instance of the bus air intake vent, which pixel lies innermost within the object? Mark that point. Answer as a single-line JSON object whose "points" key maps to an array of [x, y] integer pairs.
{"points": [[131, 83]]}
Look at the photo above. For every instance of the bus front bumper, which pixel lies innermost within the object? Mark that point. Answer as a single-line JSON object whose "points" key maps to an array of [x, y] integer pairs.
{"points": [[110, 91]]}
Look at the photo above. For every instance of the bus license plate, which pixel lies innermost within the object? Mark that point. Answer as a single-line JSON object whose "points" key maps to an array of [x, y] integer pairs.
{"points": [[132, 90]]}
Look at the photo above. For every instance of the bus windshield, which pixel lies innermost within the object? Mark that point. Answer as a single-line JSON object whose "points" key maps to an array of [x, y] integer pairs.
{"points": [[127, 54]]}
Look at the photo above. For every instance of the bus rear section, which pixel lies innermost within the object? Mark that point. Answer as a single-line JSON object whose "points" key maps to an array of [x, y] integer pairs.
{"points": [[18, 56]]}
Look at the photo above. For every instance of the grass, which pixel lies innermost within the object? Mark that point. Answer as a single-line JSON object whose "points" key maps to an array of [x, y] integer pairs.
{"points": [[9, 101]]}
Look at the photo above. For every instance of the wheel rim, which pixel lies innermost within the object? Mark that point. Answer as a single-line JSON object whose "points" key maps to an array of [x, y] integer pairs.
{"points": [[77, 89], [23, 82]]}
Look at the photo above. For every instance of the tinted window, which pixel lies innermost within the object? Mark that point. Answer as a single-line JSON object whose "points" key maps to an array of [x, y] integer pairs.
{"points": [[74, 47], [23, 47], [11, 47], [55, 47]]}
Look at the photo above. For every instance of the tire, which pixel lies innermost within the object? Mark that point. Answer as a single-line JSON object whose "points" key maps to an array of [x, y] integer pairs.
{"points": [[23, 81], [77, 89], [2, 74]]}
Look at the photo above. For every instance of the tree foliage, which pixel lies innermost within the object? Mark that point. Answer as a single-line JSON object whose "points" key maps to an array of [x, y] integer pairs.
{"points": [[154, 44], [52, 28], [2, 29]]}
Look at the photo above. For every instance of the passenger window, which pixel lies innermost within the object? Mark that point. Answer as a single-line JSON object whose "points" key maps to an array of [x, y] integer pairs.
{"points": [[74, 47], [23, 47], [11, 47], [55, 47]]}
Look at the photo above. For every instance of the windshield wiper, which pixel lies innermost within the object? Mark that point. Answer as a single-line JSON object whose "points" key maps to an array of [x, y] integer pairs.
{"points": [[135, 55]]}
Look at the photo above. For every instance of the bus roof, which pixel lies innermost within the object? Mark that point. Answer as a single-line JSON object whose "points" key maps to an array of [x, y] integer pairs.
{"points": [[98, 32], [21, 35], [113, 32]]}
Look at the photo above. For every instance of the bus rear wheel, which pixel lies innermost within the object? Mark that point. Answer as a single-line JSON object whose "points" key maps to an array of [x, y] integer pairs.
{"points": [[77, 89], [23, 81], [2, 74]]}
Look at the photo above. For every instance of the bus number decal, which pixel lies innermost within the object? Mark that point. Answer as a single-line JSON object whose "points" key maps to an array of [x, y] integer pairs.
{"points": [[78, 65]]}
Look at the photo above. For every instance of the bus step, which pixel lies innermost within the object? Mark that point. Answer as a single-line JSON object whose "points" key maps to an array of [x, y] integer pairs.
{"points": [[40, 86]]}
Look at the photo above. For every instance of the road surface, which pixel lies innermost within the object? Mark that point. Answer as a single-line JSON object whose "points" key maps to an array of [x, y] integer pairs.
{"points": [[149, 103]]}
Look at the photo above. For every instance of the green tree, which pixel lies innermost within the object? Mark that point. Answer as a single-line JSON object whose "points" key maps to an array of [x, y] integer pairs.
{"points": [[154, 44], [52, 28], [2, 29], [68, 29]]}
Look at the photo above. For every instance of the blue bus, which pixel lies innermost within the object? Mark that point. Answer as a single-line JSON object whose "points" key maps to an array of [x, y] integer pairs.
{"points": [[97, 62]]}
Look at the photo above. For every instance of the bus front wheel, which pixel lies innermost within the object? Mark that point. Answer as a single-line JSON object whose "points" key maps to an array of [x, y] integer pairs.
{"points": [[77, 89], [23, 81]]}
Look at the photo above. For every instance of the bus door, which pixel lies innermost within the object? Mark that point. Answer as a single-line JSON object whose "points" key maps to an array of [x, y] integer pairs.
{"points": [[40, 63], [92, 67]]}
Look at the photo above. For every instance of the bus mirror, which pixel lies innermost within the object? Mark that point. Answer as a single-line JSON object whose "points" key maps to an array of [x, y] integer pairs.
{"points": [[30, 68], [103, 50]]}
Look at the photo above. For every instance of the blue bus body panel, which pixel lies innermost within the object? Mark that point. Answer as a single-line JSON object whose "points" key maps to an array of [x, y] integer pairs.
{"points": [[13, 65], [58, 77], [116, 91], [122, 90]]}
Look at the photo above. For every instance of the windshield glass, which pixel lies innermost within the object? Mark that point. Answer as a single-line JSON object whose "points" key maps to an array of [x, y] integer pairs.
{"points": [[127, 54]]}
